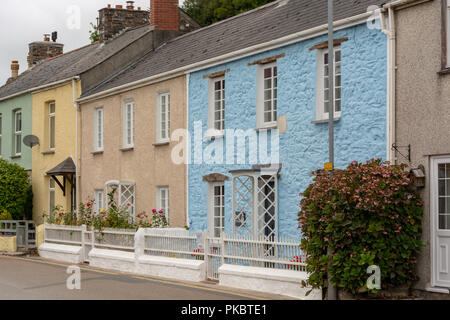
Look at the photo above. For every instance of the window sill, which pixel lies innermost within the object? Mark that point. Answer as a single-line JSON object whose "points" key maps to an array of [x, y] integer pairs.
{"points": [[48, 152], [325, 120], [444, 71], [127, 149], [269, 127], [16, 156], [160, 144], [97, 152], [214, 135]]}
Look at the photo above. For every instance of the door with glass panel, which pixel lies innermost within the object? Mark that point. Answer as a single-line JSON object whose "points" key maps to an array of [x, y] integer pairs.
{"points": [[440, 218]]}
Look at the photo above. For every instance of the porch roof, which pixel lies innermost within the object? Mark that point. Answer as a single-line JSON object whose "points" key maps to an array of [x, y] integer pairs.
{"points": [[65, 167]]}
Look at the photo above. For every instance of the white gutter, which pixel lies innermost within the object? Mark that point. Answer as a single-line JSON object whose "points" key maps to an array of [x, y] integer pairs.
{"points": [[293, 38], [391, 107], [77, 172], [40, 88]]}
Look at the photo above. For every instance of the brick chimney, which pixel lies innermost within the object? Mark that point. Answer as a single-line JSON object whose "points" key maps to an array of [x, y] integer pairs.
{"points": [[165, 15], [15, 69], [114, 20], [41, 50]]}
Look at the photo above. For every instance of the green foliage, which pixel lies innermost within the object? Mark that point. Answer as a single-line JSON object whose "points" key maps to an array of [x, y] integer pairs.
{"points": [[15, 190], [93, 34], [114, 217], [206, 12], [5, 215], [366, 215]]}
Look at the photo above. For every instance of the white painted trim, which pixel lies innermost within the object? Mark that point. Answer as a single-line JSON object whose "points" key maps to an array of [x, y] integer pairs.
{"points": [[212, 105], [260, 123], [40, 88], [187, 149], [236, 55], [99, 129], [210, 210], [159, 138], [434, 161], [125, 121]]}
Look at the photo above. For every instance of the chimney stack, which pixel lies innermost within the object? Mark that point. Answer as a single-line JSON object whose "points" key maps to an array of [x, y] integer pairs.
{"points": [[15, 69], [165, 15], [42, 50], [113, 20]]}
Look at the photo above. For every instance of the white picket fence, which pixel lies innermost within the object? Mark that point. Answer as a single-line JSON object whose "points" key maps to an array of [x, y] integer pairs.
{"points": [[284, 253]]}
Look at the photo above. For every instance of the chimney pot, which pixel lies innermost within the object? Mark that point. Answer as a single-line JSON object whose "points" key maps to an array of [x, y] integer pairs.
{"points": [[130, 5], [119, 6]]}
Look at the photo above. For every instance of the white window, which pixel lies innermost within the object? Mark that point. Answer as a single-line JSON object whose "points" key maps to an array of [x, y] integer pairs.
{"points": [[163, 201], [267, 95], [51, 196], [51, 125], [17, 133], [98, 129], [128, 124], [1, 130], [216, 210], [163, 118], [127, 197], [98, 201], [216, 116], [323, 91]]}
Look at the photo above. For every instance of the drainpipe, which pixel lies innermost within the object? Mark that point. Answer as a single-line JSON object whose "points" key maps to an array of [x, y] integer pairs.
{"points": [[77, 172], [392, 68], [187, 150]]}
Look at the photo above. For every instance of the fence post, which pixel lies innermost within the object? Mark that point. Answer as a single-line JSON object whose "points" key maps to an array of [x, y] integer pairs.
{"points": [[206, 252], [26, 236], [139, 243], [83, 241], [222, 247]]}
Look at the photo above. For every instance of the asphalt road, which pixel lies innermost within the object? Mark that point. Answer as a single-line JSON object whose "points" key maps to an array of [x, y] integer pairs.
{"points": [[35, 279]]}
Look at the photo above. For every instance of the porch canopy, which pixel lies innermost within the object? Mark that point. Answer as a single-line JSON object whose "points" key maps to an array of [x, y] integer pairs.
{"points": [[67, 171]]}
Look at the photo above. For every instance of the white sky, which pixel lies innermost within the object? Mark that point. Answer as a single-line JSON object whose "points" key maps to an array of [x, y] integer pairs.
{"points": [[26, 21]]}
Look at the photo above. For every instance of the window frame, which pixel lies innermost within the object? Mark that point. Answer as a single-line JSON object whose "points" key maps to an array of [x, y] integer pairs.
{"points": [[212, 121], [52, 128], [320, 84], [212, 227], [163, 138], [17, 133], [128, 124], [261, 123], [99, 129], [99, 205], [166, 207]]}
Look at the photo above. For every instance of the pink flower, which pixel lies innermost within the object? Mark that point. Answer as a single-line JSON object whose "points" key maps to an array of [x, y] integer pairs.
{"points": [[128, 204], [160, 212], [154, 210]]}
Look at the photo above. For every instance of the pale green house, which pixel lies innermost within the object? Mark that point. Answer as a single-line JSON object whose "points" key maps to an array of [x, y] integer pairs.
{"points": [[15, 124]]}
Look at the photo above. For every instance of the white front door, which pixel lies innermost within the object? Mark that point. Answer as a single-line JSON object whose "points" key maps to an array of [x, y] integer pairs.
{"points": [[440, 219]]}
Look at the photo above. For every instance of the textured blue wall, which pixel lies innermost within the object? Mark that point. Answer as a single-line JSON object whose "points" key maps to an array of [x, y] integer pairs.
{"points": [[360, 133]]}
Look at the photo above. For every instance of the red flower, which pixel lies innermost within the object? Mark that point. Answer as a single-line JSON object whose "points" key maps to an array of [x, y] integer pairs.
{"points": [[161, 212], [128, 204], [154, 210], [88, 204]]}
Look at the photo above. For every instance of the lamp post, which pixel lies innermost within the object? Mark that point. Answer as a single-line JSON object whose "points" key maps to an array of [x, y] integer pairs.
{"points": [[332, 292]]}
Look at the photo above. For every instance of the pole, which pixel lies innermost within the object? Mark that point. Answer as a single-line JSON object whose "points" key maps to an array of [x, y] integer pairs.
{"points": [[332, 292]]}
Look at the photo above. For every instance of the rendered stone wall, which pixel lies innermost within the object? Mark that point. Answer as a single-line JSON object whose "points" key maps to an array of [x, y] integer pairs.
{"points": [[360, 134]]}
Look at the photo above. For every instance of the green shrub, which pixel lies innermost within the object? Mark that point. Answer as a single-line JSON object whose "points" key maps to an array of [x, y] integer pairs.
{"points": [[5, 215], [367, 215], [14, 190]]}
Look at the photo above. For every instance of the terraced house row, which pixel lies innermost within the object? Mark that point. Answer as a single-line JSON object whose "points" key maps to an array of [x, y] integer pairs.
{"points": [[112, 113]]}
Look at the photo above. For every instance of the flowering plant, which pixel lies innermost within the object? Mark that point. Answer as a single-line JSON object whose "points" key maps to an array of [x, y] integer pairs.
{"points": [[367, 214]]}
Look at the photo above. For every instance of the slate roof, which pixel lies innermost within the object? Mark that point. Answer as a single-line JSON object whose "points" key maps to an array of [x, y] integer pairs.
{"points": [[72, 63], [258, 26], [65, 167]]}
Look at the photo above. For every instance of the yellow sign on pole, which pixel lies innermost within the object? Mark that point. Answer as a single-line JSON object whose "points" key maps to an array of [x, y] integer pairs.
{"points": [[329, 166]]}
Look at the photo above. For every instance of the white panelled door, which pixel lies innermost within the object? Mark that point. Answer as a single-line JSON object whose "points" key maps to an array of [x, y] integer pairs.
{"points": [[440, 218]]}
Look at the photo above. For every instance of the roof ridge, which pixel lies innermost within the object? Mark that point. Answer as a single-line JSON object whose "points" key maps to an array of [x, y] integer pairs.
{"points": [[226, 20], [70, 52]]}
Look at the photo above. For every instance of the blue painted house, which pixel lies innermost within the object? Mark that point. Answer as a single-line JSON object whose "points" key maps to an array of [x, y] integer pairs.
{"points": [[277, 96]]}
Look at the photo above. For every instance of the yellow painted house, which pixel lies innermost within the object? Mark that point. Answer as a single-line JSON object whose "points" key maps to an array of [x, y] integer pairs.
{"points": [[54, 122]]}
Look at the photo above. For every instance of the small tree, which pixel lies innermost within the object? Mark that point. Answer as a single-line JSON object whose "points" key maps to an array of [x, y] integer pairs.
{"points": [[15, 191], [366, 215], [93, 34]]}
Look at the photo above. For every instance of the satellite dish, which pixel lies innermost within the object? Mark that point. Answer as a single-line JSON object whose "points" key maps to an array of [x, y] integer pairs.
{"points": [[31, 141]]}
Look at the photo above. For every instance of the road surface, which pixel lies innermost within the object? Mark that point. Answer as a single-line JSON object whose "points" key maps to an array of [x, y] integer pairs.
{"points": [[33, 278]]}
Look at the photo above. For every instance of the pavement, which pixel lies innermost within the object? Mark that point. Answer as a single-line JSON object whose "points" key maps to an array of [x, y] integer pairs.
{"points": [[32, 278]]}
